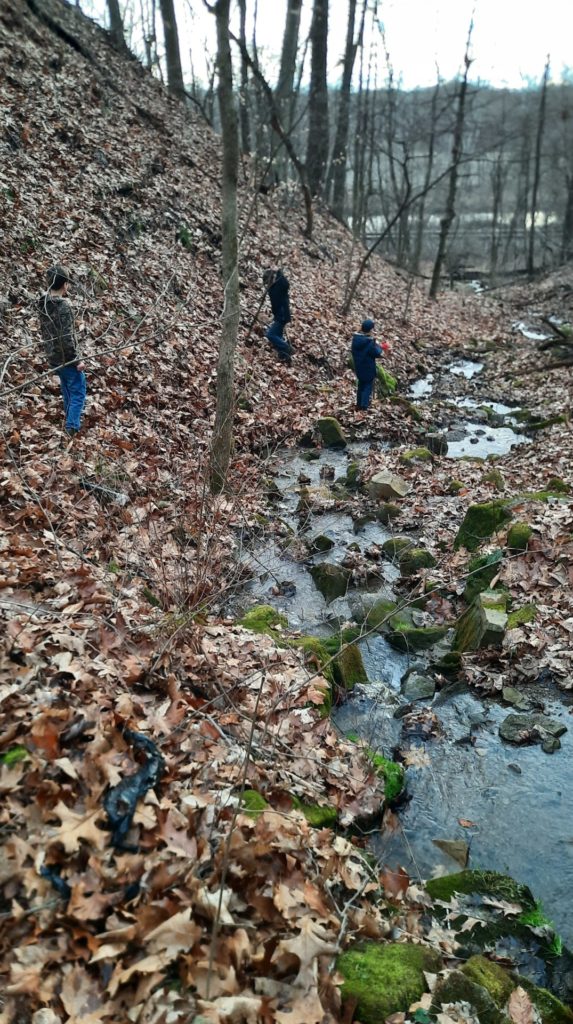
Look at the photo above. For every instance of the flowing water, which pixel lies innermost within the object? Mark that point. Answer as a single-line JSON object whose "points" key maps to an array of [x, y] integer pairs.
{"points": [[516, 803]]}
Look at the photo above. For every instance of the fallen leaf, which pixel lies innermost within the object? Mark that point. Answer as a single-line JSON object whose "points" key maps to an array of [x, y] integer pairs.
{"points": [[520, 1007]]}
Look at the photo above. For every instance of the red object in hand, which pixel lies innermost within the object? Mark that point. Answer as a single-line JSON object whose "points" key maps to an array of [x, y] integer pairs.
{"points": [[386, 347]]}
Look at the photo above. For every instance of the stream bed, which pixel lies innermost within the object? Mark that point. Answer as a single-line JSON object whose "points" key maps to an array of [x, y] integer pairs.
{"points": [[512, 806]]}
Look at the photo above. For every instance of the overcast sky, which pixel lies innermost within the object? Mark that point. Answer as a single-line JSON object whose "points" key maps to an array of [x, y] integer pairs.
{"points": [[511, 38]]}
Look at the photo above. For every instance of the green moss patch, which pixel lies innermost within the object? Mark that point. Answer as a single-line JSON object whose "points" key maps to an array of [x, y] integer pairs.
{"points": [[317, 815], [331, 432], [332, 580], [396, 546], [252, 803], [392, 773], [405, 637], [415, 558], [421, 454], [349, 667], [385, 979], [263, 619], [518, 537], [14, 755], [520, 616], [485, 883], [386, 383], [480, 522], [481, 572], [380, 613]]}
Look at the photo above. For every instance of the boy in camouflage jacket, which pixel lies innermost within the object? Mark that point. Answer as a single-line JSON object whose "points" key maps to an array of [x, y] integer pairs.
{"points": [[61, 345]]}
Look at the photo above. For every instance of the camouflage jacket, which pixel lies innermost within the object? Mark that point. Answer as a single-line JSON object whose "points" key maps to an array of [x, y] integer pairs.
{"points": [[57, 326]]}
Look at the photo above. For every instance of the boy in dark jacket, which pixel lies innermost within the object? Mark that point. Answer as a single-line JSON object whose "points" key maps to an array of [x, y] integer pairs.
{"points": [[365, 352], [277, 286], [61, 345]]}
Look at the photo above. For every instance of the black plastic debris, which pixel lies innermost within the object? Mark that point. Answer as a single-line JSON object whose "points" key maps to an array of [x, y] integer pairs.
{"points": [[52, 874], [120, 801]]}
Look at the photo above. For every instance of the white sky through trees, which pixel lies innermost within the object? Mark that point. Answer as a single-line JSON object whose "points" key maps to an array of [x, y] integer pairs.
{"points": [[511, 38]]}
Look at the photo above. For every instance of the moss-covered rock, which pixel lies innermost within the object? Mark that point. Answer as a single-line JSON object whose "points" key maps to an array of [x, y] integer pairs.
{"points": [[455, 486], [317, 815], [252, 803], [395, 546], [392, 773], [311, 456], [409, 407], [555, 483], [352, 478], [437, 443], [386, 511], [495, 478], [480, 573], [521, 615], [551, 1009], [457, 987], [483, 624], [331, 432], [380, 613], [321, 543], [332, 580], [349, 667], [518, 536], [386, 384], [405, 637], [420, 454], [484, 883], [385, 979], [480, 522], [500, 983], [264, 619], [415, 558], [533, 423]]}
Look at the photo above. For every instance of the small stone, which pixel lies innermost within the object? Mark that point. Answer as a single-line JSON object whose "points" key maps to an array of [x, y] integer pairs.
{"points": [[515, 768], [457, 849], [321, 543], [387, 485], [418, 687], [332, 580], [513, 696], [550, 745]]}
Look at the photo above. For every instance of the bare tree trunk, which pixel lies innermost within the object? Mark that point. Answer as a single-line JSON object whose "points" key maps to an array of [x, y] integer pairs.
{"points": [[285, 86], [243, 94], [421, 211], [537, 171], [567, 236], [339, 155], [172, 52], [450, 212], [221, 444], [318, 136], [116, 25]]}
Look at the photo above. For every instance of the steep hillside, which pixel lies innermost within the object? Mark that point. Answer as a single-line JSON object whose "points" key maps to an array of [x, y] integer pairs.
{"points": [[116, 562]]}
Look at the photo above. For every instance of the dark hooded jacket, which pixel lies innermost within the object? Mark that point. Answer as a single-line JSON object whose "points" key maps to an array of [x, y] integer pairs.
{"points": [[365, 352], [58, 333], [278, 294]]}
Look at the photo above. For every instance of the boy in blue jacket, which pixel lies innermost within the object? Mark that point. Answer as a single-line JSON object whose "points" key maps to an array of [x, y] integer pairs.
{"points": [[278, 287], [365, 352]]}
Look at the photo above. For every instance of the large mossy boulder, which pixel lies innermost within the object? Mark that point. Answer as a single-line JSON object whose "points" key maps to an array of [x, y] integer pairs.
{"points": [[415, 558], [264, 619], [349, 667], [386, 485], [407, 638], [385, 979], [481, 522], [500, 983], [396, 546], [332, 580], [458, 988], [386, 383], [518, 536], [482, 883], [331, 432], [481, 572], [413, 455], [483, 624]]}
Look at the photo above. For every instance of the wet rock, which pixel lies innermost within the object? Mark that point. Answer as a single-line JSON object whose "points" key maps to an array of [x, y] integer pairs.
{"points": [[311, 456], [483, 624], [480, 522], [457, 988], [550, 745], [387, 485], [533, 728], [321, 543], [331, 433], [415, 558], [349, 668], [455, 434], [457, 849], [437, 443], [514, 697], [417, 687], [380, 613], [385, 979], [332, 580], [352, 479], [518, 537], [480, 573]]}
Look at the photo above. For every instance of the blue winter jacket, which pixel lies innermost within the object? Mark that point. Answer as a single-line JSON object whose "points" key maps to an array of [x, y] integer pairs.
{"points": [[365, 352], [278, 294]]}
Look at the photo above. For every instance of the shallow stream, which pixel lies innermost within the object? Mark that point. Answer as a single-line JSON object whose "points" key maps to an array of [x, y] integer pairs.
{"points": [[516, 803]]}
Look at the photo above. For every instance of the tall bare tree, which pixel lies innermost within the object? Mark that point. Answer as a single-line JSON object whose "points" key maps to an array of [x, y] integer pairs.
{"points": [[243, 94], [457, 144], [537, 170], [339, 154], [116, 25], [222, 442], [318, 134], [172, 53], [285, 86]]}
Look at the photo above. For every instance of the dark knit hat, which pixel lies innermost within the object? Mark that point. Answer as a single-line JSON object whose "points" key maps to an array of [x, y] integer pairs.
{"points": [[367, 325], [56, 277]]}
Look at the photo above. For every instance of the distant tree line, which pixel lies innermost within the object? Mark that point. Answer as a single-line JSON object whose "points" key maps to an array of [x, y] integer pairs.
{"points": [[445, 181]]}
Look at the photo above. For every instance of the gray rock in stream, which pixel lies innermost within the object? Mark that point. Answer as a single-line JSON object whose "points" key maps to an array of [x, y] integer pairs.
{"points": [[535, 728], [387, 485], [417, 687]]}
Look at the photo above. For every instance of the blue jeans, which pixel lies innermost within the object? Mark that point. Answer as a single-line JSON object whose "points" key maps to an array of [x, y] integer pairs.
{"points": [[73, 385], [275, 334], [364, 393]]}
